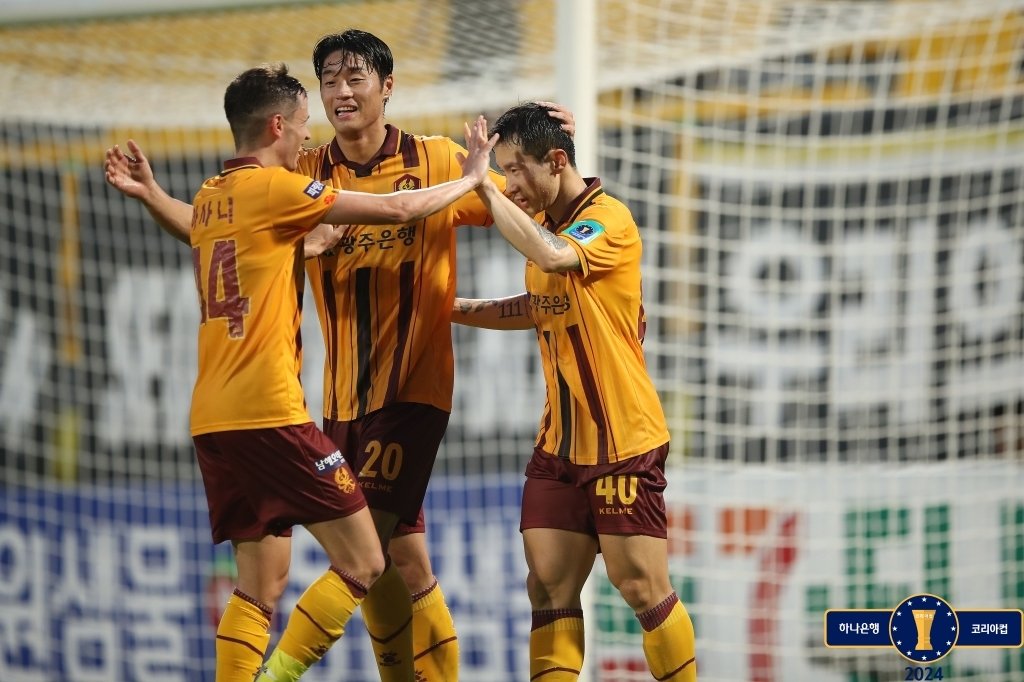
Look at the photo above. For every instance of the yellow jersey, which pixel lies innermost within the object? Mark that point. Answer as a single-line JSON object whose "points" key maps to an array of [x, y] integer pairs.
{"points": [[601, 405], [385, 295], [248, 224]]}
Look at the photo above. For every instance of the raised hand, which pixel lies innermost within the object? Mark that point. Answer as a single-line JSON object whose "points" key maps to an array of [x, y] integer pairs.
{"points": [[129, 173], [478, 161], [560, 113]]}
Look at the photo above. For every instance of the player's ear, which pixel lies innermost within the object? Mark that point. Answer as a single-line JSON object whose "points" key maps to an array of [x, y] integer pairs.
{"points": [[557, 160], [387, 86], [276, 125]]}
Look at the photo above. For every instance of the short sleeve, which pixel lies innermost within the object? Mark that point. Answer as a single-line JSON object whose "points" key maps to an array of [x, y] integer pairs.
{"points": [[297, 202], [599, 240]]}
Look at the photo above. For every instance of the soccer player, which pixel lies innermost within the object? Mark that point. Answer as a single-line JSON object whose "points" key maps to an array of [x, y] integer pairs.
{"points": [[596, 478], [265, 466], [383, 297]]}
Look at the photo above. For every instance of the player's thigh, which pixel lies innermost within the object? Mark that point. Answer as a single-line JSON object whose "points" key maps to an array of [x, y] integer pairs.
{"points": [[351, 544], [559, 562]]}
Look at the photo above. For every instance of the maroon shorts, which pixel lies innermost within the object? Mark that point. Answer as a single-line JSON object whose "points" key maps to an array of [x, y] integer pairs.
{"points": [[392, 451], [264, 481], [625, 498]]}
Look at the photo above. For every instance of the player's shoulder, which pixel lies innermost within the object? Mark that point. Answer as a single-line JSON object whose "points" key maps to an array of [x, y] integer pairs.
{"points": [[435, 142], [606, 207]]}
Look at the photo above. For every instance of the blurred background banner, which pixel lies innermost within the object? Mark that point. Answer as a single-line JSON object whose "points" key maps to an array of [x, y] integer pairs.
{"points": [[831, 196]]}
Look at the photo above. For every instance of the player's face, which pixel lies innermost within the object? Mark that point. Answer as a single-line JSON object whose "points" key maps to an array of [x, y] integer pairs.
{"points": [[529, 183], [353, 96], [296, 131]]}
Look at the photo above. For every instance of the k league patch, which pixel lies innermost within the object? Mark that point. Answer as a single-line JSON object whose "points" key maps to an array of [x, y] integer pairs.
{"points": [[315, 189], [584, 231]]}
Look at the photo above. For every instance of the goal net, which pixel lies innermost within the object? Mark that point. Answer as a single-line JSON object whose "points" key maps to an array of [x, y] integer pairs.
{"points": [[832, 205]]}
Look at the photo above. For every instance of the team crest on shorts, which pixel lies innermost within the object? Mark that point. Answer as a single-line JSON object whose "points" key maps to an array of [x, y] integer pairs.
{"points": [[346, 483]]}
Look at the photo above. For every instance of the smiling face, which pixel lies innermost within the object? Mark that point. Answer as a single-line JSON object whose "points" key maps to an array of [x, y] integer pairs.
{"points": [[352, 93], [530, 183]]}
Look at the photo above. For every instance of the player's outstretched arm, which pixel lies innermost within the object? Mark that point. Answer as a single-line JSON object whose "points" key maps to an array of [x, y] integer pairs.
{"points": [[409, 205], [131, 174], [549, 252], [512, 312]]}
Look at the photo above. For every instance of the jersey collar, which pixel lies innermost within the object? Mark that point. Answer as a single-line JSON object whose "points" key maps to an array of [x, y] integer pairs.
{"points": [[241, 162], [392, 138], [586, 198]]}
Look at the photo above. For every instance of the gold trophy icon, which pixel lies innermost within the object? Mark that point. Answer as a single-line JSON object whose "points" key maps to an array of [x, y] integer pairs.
{"points": [[923, 619]]}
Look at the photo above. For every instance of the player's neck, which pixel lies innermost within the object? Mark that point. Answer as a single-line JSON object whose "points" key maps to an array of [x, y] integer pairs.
{"points": [[570, 187], [362, 145]]}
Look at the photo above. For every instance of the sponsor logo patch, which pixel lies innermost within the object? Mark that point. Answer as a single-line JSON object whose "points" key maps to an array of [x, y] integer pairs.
{"points": [[314, 189], [584, 231], [330, 462]]}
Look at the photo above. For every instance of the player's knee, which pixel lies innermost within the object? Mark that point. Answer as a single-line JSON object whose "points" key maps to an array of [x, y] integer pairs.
{"points": [[538, 592], [638, 592], [414, 569], [269, 588], [374, 568]]}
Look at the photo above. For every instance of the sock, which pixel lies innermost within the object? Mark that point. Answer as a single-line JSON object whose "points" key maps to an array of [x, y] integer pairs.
{"points": [[669, 641], [242, 638], [434, 641], [387, 611], [317, 622], [556, 645]]}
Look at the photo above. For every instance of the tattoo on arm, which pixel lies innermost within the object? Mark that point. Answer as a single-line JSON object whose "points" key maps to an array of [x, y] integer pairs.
{"points": [[468, 306], [506, 307], [551, 239]]}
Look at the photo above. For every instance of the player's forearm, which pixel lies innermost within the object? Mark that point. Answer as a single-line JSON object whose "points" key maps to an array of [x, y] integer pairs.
{"points": [[396, 207], [512, 312], [549, 252], [173, 215]]}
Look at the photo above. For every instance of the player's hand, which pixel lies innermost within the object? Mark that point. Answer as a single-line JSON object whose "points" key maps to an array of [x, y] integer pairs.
{"points": [[560, 113], [322, 239], [129, 173], [478, 161]]}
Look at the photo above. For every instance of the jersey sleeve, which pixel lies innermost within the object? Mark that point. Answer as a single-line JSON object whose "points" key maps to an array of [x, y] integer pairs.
{"points": [[599, 237], [298, 202]]}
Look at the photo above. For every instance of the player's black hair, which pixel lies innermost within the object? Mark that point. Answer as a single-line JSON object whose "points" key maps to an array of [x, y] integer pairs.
{"points": [[529, 127], [353, 42], [257, 94]]}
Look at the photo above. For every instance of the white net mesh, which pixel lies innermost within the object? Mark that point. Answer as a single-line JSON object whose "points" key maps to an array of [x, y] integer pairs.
{"points": [[831, 199]]}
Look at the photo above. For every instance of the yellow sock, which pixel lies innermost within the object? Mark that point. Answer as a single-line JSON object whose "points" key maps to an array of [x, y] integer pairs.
{"points": [[435, 644], [556, 645], [669, 641], [241, 638], [387, 611], [317, 622]]}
